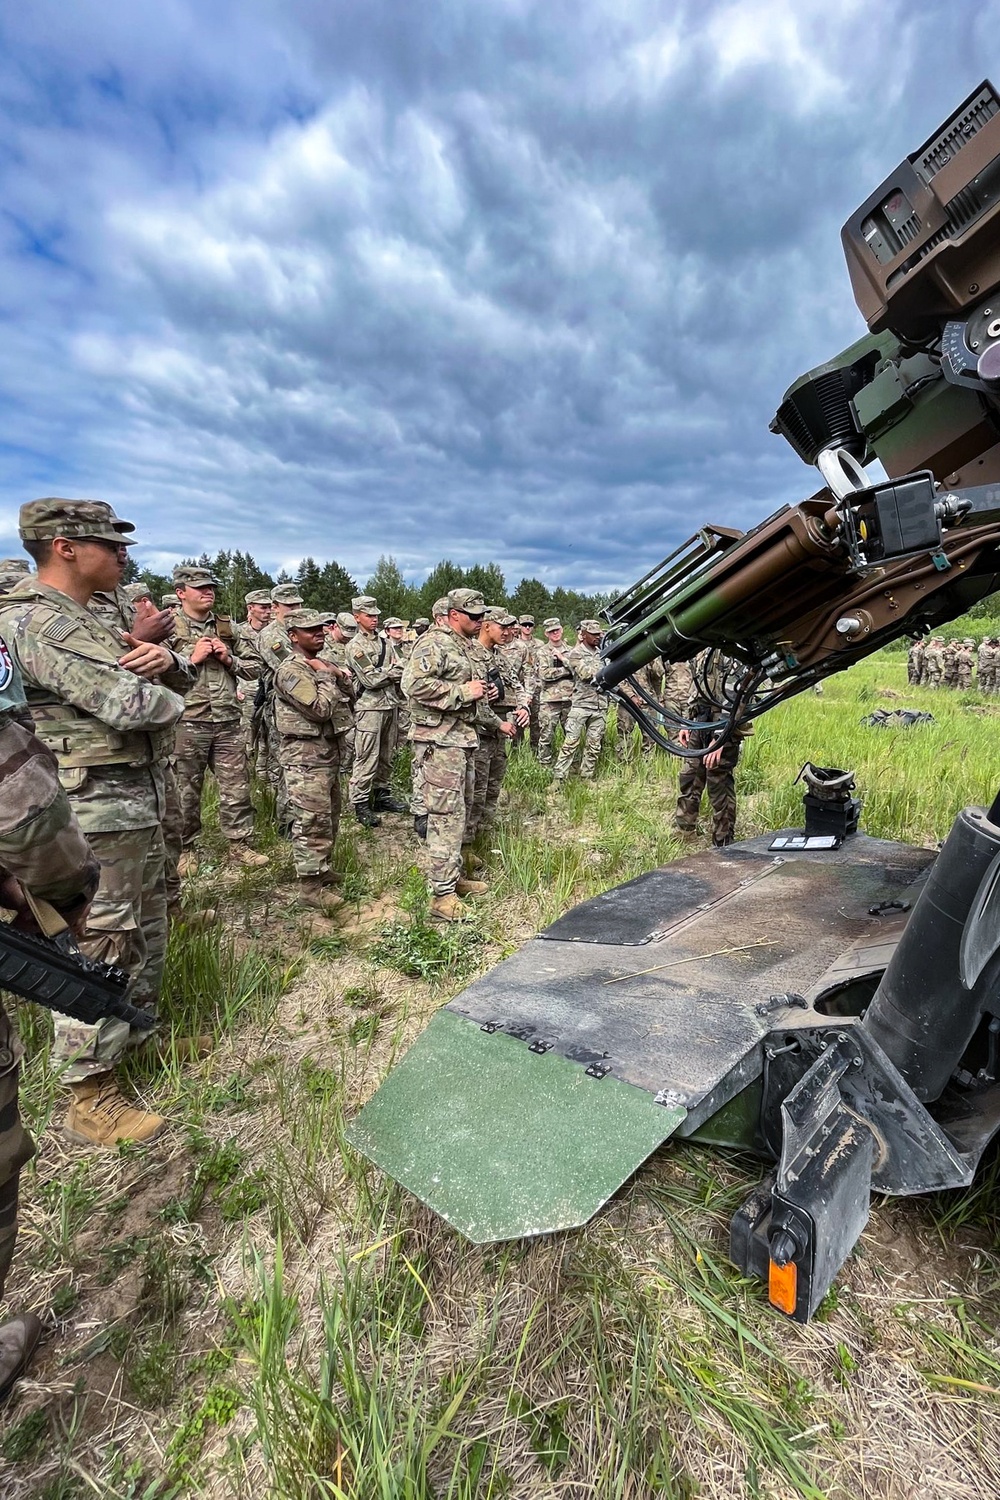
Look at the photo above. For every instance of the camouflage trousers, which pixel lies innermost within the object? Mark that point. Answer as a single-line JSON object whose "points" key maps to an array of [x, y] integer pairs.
{"points": [[448, 778], [127, 926], [418, 804], [173, 840], [584, 726], [221, 749], [347, 751], [720, 784], [374, 744], [549, 715], [16, 1145], [312, 780], [490, 768]]}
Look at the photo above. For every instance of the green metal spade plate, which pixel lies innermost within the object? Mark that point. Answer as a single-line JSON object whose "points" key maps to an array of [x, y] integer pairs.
{"points": [[504, 1142]]}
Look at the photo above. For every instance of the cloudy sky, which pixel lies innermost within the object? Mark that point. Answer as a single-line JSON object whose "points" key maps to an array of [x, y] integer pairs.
{"points": [[520, 280]]}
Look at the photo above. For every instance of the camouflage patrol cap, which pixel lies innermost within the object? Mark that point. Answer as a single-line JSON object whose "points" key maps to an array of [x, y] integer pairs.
{"points": [[421, 621], [467, 602], [497, 615], [137, 591], [307, 619], [592, 627], [13, 570], [393, 623], [347, 623], [551, 624], [286, 593], [169, 601], [192, 576], [526, 620], [364, 604], [257, 596], [84, 520], [440, 607]]}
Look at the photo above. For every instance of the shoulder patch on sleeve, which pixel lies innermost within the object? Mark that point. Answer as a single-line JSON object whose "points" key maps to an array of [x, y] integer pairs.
{"points": [[59, 628]]}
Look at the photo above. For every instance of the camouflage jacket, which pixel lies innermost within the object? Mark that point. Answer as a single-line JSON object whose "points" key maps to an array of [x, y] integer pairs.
{"points": [[114, 608], [110, 729], [555, 678], [436, 686], [377, 671], [521, 655], [489, 715], [41, 843], [335, 652], [215, 698], [585, 662], [722, 673], [273, 645], [305, 702], [247, 648]]}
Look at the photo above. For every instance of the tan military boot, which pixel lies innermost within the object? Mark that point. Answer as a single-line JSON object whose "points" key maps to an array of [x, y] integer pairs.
{"points": [[472, 861], [194, 921], [98, 1115], [313, 891], [242, 854], [448, 909], [18, 1342], [187, 865], [471, 888]]}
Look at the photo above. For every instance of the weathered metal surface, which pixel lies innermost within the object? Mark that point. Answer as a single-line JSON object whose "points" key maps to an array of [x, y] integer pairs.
{"points": [[503, 1142], [760, 926]]}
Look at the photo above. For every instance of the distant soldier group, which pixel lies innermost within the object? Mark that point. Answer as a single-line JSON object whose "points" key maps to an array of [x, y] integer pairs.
{"points": [[936, 663]]}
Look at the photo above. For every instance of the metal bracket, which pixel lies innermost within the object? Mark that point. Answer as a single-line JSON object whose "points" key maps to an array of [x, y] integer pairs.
{"points": [[490, 1026], [598, 1070], [540, 1046]]}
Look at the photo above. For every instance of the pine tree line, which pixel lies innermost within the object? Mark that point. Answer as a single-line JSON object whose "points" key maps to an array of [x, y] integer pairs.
{"points": [[329, 586]]}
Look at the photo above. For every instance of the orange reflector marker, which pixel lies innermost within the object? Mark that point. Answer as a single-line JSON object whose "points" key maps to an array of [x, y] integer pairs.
{"points": [[783, 1286]]}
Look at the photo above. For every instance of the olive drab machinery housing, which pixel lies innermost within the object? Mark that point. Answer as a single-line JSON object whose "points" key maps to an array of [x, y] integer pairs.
{"points": [[835, 1010]]}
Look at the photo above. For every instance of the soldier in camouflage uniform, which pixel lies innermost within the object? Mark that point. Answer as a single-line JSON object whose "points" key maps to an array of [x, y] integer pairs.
{"points": [[42, 851], [985, 666], [210, 735], [13, 572], [394, 631], [421, 625], [933, 662], [443, 693], [504, 708], [914, 662], [949, 658], [308, 692], [169, 601], [963, 665], [589, 709], [339, 634], [247, 635], [107, 707], [555, 682], [652, 678], [377, 673], [418, 747], [716, 769]]}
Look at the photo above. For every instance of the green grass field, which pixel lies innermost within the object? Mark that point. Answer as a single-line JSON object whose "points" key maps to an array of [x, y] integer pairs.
{"points": [[247, 1309]]}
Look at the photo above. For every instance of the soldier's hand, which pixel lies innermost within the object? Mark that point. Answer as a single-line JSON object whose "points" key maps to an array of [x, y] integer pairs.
{"points": [[11, 895], [712, 758], [477, 689], [492, 692], [508, 729], [145, 659], [152, 624], [684, 737], [521, 717], [202, 650], [320, 666]]}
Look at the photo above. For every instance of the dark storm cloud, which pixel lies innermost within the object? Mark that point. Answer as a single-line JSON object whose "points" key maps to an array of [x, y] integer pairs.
{"points": [[504, 280]]}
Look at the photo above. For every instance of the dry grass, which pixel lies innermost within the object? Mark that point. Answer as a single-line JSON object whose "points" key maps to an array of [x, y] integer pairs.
{"points": [[246, 1309]]}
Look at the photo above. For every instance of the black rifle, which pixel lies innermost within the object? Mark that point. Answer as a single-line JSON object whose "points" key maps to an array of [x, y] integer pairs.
{"points": [[53, 972]]}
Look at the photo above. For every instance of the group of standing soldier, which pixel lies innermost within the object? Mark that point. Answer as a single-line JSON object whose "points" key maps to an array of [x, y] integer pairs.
{"points": [[113, 708], [935, 663]]}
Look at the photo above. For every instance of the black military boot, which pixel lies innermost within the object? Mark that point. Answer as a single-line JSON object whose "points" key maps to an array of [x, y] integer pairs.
{"points": [[366, 816], [384, 801], [420, 825]]}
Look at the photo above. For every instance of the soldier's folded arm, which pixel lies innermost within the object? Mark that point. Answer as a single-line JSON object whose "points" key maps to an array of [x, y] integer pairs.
{"points": [[309, 695], [109, 692], [421, 682]]}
